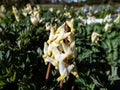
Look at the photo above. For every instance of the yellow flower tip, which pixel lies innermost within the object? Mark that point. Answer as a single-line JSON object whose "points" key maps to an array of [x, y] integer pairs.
{"points": [[49, 41], [72, 30], [44, 56], [58, 41], [60, 78], [55, 61], [75, 74], [49, 53], [52, 56], [68, 57], [46, 63], [56, 67], [57, 32]]}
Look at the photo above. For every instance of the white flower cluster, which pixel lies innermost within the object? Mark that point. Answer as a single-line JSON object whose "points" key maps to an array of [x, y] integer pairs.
{"points": [[109, 22], [60, 50], [29, 11], [95, 36]]}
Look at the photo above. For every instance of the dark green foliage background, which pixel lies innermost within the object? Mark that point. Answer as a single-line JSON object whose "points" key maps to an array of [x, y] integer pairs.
{"points": [[21, 45]]}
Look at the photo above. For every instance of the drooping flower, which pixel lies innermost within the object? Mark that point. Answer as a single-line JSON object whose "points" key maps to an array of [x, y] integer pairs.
{"points": [[107, 27], [52, 35], [45, 50], [61, 28], [62, 35], [64, 70], [71, 25], [95, 37], [52, 61], [15, 11], [58, 11], [51, 9], [67, 14], [27, 10], [35, 18], [48, 26], [108, 18], [2, 8], [117, 20]]}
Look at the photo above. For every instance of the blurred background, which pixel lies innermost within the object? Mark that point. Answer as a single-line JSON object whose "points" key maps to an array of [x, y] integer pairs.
{"points": [[69, 2]]}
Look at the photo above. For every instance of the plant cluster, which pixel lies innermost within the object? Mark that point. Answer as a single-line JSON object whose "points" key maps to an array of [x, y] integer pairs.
{"points": [[83, 42]]}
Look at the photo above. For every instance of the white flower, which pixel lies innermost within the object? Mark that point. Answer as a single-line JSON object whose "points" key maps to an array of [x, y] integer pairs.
{"points": [[42, 20], [117, 20], [15, 11], [58, 12], [71, 25], [108, 18], [67, 14], [62, 36], [38, 7], [95, 37], [50, 47], [107, 27], [48, 26], [93, 20], [58, 55], [51, 9], [27, 10], [2, 8], [74, 49], [81, 18], [71, 51], [61, 28], [45, 50], [64, 70], [52, 35], [35, 18], [57, 20], [52, 61]]}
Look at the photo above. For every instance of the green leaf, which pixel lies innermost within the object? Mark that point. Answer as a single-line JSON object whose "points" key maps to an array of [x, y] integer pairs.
{"points": [[92, 86], [115, 54], [114, 76], [81, 81], [2, 83], [95, 81], [12, 79], [7, 54], [23, 65], [0, 55]]}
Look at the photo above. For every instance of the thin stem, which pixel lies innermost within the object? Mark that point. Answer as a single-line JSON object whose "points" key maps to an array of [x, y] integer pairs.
{"points": [[61, 85], [48, 71]]}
